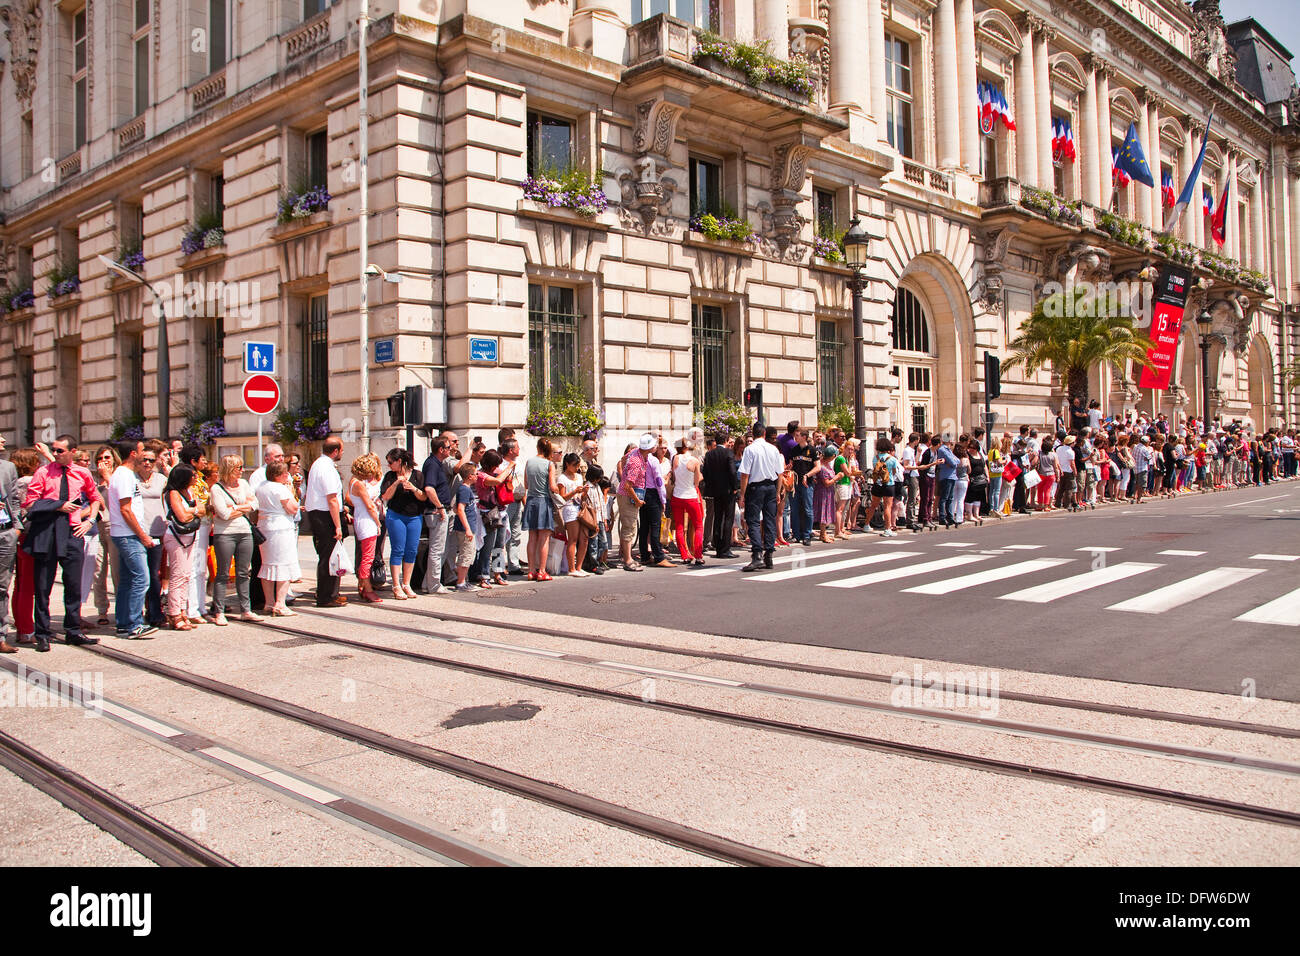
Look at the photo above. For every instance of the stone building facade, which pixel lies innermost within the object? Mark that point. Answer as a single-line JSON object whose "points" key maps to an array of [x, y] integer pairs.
{"points": [[131, 126]]}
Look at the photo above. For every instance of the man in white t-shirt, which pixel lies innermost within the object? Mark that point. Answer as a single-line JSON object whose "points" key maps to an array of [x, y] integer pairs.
{"points": [[324, 499], [909, 457], [1065, 459], [133, 541]]}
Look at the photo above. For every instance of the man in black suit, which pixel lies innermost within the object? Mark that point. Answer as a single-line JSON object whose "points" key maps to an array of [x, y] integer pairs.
{"points": [[720, 483]]}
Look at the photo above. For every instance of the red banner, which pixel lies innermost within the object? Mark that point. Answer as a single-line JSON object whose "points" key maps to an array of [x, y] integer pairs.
{"points": [[1166, 323]]}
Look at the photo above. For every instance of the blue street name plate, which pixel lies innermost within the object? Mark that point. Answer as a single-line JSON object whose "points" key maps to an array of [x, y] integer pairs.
{"points": [[259, 357], [385, 350], [482, 349]]}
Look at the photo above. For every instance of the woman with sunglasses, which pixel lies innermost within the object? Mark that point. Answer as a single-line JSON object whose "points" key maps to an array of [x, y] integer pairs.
{"points": [[233, 505]]}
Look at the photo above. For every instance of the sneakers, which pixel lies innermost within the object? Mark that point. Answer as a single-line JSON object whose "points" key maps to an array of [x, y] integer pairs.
{"points": [[141, 632], [465, 587]]}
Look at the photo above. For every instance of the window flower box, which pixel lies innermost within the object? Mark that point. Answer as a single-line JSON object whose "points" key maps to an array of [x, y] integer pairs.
{"points": [[567, 189], [297, 227], [17, 303], [204, 432], [753, 65], [302, 204], [1051, 206]]}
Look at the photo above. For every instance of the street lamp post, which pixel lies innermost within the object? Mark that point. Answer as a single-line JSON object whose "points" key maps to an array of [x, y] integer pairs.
{"points": [[363, 221], [1204, 323], [164, 354], [856, 242]]}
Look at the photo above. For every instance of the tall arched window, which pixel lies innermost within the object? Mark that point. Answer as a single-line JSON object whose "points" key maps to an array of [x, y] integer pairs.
{"points": [[911, 325]]}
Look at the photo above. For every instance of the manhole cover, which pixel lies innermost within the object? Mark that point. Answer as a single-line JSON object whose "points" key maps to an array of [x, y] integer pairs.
{"points": [[294, 642], [490, 713], [622, 598], [507, 592], [340, 657]]}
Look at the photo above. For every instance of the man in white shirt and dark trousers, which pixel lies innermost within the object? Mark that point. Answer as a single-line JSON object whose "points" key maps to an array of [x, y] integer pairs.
{"points": [[324, 496], [760, 466]]}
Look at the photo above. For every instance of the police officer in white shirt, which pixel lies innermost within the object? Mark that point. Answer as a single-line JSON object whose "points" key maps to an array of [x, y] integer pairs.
{"points": [[760, 466]]}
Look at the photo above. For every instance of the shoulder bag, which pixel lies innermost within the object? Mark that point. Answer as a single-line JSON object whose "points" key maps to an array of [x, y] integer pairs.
{"points": [[258, 538]]}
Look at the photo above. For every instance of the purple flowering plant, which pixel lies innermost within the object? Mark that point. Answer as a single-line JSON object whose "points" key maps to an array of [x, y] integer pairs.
{"points": [[206, 233], [758, 65], [204, 432], [63, 280], [301, 203], [564, 411], [302, 424], [12, 299], [567, 189], [724, 418], [127, 428]]}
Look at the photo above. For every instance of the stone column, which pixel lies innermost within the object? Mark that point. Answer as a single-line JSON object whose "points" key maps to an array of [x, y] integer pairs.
{"points": [[1232, 246], [1293, 180], [1257, 222], [1043, 97], [1087, 141], [1026, 107], [1219, 182], [876, 63], [1186, 229], [773, 24], [1107, 181], [850, 76], [1196, 214], [966, 93], [1154, 105], [600, 28], [1141, 200], [1282, 224], [947, 114]]}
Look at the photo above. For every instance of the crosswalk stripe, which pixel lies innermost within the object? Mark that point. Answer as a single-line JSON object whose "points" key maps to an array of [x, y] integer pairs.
{"points": [[1284, 610], [906, 571], [1275, 557], [957, 544], [1183, 554], [783, 559], [1095, 548], [984, 577], [834, 566], [1179, 593], [1021, 547], [1079, 582]]}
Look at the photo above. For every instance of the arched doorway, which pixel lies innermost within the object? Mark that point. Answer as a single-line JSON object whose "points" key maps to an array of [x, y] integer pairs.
{"points": [[930, 296], [1259, 374], [915, 363]]}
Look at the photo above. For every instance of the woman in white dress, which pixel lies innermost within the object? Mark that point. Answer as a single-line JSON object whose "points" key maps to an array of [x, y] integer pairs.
{"points": [[276, 508]]}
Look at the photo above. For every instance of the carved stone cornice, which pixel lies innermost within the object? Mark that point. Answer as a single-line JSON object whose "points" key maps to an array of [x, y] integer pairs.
{"points": [[656, 125], [790, 166], [1030, 22], [1196, 129]]}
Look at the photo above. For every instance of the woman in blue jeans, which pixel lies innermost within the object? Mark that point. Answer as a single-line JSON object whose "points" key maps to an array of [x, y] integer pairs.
{"points": [[404, 499]]}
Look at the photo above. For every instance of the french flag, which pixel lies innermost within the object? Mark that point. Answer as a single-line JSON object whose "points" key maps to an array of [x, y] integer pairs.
{"points": [[1005, 111], [1121, 178], [986, 106], [1069, 140], [1167, 190], [1219, 222], [1207, 201]]}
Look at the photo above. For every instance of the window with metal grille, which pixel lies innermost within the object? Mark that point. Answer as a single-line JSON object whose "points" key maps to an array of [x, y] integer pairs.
{"points": [[898, 94], [79, 78], [133, 373], [26, 399], [708, 353], [213, 344], [911, 325], [143, 58], [825, 212], [919, 415], [316, 352], [317, 159], [830, 362], [706, 187], [553, 322], [550, 144]]}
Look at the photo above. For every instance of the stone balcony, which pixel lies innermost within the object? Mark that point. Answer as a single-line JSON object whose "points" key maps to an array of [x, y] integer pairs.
{"points": [[664, 52]]}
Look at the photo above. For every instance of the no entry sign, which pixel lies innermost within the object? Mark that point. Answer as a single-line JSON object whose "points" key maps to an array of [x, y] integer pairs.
{"points": [[261, 394]]}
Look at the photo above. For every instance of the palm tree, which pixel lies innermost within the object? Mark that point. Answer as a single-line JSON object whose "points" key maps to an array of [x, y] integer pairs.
{"points": [[1074, 343]]}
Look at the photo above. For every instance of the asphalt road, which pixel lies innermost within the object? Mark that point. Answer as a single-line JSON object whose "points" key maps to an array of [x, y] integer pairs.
{"points": [[1031, 593]]}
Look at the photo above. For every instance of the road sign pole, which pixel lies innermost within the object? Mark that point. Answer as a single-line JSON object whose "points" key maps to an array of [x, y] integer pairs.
{"points": [[261, 452]]}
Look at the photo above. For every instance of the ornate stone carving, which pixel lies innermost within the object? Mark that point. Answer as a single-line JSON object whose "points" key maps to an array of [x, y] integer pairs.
{"points": [[782, 223], [1210, 47], [656, 126], [23, 31], [989, 290], [1079, 261], [646, 194]]}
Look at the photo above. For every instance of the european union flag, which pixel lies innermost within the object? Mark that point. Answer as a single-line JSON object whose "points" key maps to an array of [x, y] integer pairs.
{"points": [[1133, 160]]}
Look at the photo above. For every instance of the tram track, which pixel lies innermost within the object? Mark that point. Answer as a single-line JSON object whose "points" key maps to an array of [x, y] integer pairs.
{"points": [[1118, 787], [147, 835], [550, 794], [1119, 710]]}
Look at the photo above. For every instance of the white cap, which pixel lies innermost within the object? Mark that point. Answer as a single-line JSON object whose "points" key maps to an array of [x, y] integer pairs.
{"points": [[646, 442]]}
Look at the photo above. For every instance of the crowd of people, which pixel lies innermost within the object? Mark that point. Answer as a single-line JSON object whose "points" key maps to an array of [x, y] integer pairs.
{"points": [[187, 542]]}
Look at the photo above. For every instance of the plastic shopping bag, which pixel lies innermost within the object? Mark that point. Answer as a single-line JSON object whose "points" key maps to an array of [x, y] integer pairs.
{"points": [[341, 561], [1032, 478]]}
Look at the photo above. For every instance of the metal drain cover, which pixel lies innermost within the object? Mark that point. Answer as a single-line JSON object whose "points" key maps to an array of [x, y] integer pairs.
{"points": [[294, 642], [622, 598]]}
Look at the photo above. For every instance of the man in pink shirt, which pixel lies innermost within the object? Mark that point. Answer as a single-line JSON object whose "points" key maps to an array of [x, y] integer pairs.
{"points": [[57, 489]]}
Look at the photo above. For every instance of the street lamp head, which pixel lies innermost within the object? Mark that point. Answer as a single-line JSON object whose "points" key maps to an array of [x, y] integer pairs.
{"points": [[855, 242], [118, 269], [1205, 322], [373, 271]]}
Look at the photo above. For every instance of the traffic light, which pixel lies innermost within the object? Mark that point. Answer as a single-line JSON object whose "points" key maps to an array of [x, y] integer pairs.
{"points": [[754, 396], [992, 375]]}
